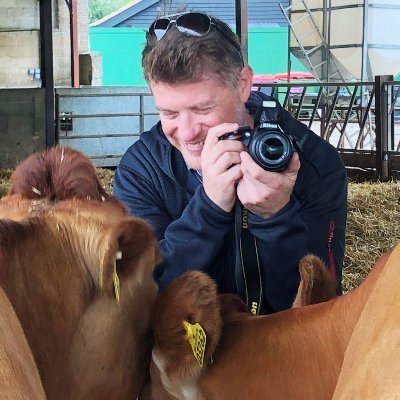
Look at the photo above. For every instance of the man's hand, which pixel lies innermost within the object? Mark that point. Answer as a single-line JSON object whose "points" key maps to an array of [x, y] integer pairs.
{"points": [[263, 192], [220, 166]]}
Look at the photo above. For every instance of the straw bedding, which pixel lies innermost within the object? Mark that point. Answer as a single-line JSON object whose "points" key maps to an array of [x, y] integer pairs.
{"points": [[373, 225]]}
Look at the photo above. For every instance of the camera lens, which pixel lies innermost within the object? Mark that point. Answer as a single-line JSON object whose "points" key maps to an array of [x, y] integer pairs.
{"points": [[271, 149]]}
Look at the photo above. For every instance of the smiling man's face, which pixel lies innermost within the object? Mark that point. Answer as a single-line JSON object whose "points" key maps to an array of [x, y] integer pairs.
{"points": [[188, 110]]}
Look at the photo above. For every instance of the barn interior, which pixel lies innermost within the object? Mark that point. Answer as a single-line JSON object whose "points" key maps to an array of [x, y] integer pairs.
{"points": [[51, 93]]}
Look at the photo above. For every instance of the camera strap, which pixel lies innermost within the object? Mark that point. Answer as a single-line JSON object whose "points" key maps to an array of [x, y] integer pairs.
{"points": [[248, 268]]}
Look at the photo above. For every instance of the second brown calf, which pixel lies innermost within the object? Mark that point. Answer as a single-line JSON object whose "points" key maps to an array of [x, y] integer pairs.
{"points": [[294, 354]]}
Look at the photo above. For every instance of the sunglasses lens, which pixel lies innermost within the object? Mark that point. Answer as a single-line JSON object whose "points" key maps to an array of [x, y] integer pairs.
{"points": [[193, 24], [159, 27]]}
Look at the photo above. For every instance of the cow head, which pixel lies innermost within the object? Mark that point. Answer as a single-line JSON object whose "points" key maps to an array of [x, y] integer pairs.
{"points": [[175, 369], [190, 299], [82, 287], [59, 173]]}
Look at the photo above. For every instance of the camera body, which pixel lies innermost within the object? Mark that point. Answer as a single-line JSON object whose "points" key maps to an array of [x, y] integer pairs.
{"points": [[269, 146]]}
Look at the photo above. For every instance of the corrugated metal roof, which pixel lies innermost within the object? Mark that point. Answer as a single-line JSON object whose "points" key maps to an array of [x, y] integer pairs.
{"points": [[141, 13]]}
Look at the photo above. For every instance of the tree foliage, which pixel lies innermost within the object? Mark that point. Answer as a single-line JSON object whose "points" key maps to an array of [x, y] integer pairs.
{"points": [[100, 8]]}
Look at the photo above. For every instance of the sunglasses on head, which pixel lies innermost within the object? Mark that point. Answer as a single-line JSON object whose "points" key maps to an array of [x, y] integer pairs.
{"points": [[190, 24]]}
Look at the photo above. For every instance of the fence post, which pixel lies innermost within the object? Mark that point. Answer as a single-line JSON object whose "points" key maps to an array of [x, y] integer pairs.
{"points": [[381, 122]]}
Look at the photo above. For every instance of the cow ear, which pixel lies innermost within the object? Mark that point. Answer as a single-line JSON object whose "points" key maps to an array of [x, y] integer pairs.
{"points": [[303, 295], [132, 250], [316, 283], [189, 299]]}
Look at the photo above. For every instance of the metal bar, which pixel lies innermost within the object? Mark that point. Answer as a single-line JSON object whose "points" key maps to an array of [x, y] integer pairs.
{"points": [[286, 101], [103, 135], [331, 110], [242, 26], [381, 127], [79, 95], [46, 61], [364, 55], [395, 95], [347, 116], [390, 117], [360, 138], [57, 117], [308, 52], [324, 84], [10, 30], [314, 111], [325, 40], [78, 116], [331, 8], [74, 43], [303, 93]]}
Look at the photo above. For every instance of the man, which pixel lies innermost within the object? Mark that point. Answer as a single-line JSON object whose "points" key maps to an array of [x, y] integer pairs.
{"points": [[185, 180]]}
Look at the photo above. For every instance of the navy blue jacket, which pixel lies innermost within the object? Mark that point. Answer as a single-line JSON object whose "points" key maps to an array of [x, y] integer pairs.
{"points": [[153, 180]]}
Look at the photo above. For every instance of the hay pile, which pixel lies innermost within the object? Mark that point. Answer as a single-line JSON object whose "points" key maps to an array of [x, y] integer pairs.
{"points": [[4, 181], [373, 225]]}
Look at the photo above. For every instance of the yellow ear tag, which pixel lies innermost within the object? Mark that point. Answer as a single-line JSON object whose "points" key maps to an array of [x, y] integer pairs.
{"points": [[117, 288], [196, 336]]}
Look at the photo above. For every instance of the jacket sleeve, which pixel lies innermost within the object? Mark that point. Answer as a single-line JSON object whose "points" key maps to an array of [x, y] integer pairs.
{"points": [[190, 242]]}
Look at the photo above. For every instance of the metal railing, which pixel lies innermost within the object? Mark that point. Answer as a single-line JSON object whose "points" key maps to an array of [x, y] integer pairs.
{"points": [[102, 122], [361, 119]]}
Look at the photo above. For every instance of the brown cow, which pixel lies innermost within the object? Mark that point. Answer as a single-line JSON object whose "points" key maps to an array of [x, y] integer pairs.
{"points": [[19, 377], [42, 181], [78, 274], [371, 367], [293, 354], [59, 173]]}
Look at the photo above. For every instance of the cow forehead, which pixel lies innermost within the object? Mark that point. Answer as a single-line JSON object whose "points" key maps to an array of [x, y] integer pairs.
{"points": [[16, 207]]}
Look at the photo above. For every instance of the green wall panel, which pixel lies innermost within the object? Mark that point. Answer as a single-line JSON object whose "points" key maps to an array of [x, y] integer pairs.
{"points": [[121, 52], [268, 51]]}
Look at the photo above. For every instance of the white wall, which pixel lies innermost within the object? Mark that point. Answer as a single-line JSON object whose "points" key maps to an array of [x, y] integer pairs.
{"points": [[20, 41]]}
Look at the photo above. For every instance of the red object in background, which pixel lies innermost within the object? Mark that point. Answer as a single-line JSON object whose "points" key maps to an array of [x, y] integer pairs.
{"points": [[294, 75], [262, 79], [266, 78]]}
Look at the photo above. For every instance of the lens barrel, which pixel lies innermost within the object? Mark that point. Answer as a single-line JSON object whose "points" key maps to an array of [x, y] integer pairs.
{"points": [[271, 149]]}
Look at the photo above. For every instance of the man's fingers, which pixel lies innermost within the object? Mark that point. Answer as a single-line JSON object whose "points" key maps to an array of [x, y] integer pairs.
{"points": [[293, 166], [214, 133], [269, 178]]}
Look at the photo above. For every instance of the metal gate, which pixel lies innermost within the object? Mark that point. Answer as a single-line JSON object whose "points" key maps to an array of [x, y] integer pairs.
{"points": [[102, 122]]}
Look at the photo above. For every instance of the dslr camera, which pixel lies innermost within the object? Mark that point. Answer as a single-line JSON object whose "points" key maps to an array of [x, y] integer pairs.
{"points": [[268, 145]]}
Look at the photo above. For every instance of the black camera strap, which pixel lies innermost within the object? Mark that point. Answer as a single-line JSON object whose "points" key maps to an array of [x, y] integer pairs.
{"points": [[248, 268]]}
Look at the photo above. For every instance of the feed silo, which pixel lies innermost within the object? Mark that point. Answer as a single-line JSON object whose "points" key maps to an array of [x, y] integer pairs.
{"points": [[347, 40]]}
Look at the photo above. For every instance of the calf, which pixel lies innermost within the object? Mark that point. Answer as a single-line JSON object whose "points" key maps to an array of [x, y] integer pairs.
{"points": [[19, 376], [293, 354], [82, 288], [45, 179], [78, 272], [371, 367], [59, 173]]}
